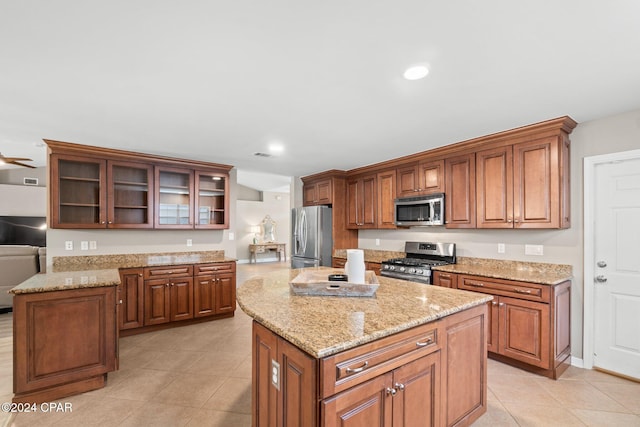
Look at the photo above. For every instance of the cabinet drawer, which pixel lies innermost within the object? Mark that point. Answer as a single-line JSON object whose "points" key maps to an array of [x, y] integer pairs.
{"points": [[522, 290], [168, 271], [202, 269], [351, 367]]}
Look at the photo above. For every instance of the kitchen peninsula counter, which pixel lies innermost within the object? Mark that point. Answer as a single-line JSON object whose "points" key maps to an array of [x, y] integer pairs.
{"points": [[321, 360]]}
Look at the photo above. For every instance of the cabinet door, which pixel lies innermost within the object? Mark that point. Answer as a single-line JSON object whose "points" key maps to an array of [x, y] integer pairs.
{"points": [[131, 299], [225, 293], [417, 399], [524, 331], [297, 401], [181, 298], [361, 202], [174, 198], [264, 392], [368, 404], [386, 183], [212, 200], [156, 301], [460, 191], [130, 195], [431, 177], [78, 192], [536, 188], [204, 296], [310, 195], [353, 190], [408, 180], [324, 192], [494, 170]]}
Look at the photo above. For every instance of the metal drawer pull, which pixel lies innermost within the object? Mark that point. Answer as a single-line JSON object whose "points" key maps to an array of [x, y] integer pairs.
{"points": [[425, 343], [477, 285], [522, 291], [356, 370]]}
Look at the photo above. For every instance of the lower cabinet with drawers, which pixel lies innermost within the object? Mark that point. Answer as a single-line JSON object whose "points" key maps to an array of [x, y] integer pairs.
{"points": [[152, 296], [429, 375], [529, 323]]}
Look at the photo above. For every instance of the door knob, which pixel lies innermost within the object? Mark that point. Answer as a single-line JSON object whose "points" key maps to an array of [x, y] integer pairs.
{"points": [[601, 279], [601, 264]]}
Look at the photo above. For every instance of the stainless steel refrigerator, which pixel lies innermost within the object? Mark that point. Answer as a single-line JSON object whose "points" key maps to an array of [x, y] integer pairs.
{"points": [[311, 242]]}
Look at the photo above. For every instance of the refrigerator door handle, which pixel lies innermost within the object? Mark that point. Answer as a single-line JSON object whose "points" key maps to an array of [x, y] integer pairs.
{"points": [[303, 231]]}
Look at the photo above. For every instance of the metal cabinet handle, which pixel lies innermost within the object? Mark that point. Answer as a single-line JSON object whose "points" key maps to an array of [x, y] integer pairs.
{"points": [[359, 369], [522, 291], [500, 304], [391, 391], [477, 285], [399, 386], [424, 343]]}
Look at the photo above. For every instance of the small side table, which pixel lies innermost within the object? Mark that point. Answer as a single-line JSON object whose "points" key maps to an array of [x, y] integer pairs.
{"points": [[260, 248]]}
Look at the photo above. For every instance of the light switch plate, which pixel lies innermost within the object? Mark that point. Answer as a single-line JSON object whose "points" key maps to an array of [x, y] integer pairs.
{"points": [[501, 248], [84, 245]]}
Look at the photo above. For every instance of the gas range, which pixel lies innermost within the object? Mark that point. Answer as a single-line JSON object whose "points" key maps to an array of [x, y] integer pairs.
{"points": [[420, 258]]}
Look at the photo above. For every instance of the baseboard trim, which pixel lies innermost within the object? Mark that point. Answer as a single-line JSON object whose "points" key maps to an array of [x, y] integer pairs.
{"points": [[577, 362]]}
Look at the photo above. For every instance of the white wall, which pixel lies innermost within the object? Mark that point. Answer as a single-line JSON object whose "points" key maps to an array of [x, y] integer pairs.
{"points": [[251, 213], [23, 200], [607, 135]]}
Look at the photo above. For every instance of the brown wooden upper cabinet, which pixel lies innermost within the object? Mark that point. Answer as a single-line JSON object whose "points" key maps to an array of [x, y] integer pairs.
{"points": [[523, 185], [361, 202], [460, 191], [93, 193], [425, 177], [318, 193], [95, 187], [386, 195]]}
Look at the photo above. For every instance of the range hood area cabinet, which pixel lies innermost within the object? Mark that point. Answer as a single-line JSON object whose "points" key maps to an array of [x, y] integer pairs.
{"points": [[94, 187]]}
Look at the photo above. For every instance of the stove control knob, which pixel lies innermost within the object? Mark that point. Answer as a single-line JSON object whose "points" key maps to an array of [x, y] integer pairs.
{"points": [[392, 267], [401, 268], [412, 270], [418, 271], [385, 267]]}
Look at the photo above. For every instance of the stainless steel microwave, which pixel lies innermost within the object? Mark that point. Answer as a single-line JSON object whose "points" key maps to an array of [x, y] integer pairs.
{"points": [[420, 210]]}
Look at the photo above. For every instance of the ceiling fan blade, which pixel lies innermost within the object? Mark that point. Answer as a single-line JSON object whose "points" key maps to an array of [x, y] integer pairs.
{"points": [[21, 164]]}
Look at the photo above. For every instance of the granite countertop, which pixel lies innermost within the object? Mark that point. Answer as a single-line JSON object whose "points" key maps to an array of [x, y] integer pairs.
{"points": [[77, 263], [77, 272], [47, 282], [371, 255], [532, 272], [323, 326]]}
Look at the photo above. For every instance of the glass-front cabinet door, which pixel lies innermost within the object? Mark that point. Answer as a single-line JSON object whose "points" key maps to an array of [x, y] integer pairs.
{"points": [[78, 189], [130, 195], [212, 200], [174, 198]]}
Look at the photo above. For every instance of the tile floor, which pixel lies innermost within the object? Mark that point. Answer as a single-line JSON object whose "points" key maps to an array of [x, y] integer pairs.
{"points": [[200, 375]]}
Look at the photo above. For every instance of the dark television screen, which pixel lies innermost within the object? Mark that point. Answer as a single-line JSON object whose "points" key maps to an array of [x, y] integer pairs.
{"points": [[23, 230]]}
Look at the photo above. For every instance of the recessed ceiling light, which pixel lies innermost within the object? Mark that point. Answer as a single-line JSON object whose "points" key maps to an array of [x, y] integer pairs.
{"points": [[276, 148], [416, 72]]}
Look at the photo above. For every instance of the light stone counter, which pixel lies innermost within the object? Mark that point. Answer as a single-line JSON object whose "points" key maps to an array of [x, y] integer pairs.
{"points": [[47, 282], [323, 326], [532, 272]]}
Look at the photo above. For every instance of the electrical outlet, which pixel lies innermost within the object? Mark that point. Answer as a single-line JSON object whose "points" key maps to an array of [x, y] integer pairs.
{"points": [[377, 242], [501, 248], [232, 236], [93, 245], [68, 245], [537, 250], [189, 242], [84, 245]]}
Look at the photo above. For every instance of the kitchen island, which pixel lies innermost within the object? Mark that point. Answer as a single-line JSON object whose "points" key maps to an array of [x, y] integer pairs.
{"points": [[413, 354]]}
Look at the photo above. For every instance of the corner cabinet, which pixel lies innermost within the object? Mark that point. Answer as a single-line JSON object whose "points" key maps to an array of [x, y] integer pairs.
{"points": [[94, 187]]}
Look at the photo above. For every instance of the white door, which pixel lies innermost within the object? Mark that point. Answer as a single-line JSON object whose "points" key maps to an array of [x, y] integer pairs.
{"points": [[616, 267]]}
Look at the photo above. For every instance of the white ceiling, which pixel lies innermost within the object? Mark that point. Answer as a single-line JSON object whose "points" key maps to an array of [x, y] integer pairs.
{"points": [[220, 81]]}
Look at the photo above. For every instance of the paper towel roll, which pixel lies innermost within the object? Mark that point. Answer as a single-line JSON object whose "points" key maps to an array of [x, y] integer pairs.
{"points": [[355, 268]]}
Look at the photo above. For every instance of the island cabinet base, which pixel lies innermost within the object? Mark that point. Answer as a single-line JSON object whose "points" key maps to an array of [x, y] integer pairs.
{"points": [[430, 375], [64, 342]]}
